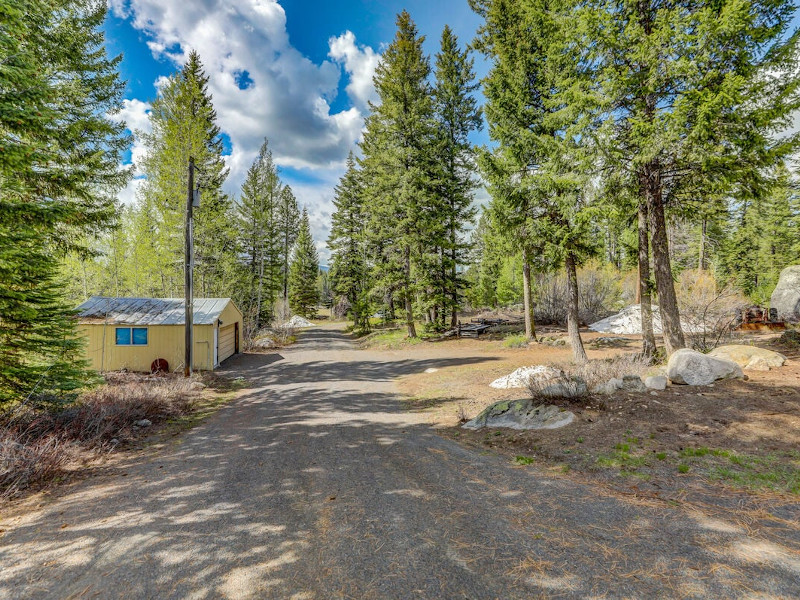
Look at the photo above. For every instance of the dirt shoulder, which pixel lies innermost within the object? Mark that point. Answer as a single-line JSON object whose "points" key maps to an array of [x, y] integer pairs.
{"points": [[722, 441]]}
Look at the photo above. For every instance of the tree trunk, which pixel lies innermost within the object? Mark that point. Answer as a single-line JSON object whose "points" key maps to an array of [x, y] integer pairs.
{"points": [[412, 331], [578, 352], [665, 286], [643, 290], [527, 303], [702, 260], [454, 279]]}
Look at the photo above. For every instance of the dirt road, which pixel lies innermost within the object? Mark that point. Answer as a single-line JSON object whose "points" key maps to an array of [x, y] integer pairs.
{"points": [[315, 483]]}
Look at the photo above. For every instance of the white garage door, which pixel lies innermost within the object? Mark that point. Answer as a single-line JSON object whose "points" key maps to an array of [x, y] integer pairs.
{"points": [[227, 342]]}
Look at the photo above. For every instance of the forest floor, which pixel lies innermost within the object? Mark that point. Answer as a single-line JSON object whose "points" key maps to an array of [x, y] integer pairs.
{"points": [[740, 437]]}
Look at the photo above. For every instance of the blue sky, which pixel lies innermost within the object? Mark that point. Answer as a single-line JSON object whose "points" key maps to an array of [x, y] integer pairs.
{"points": [[295, 71]]}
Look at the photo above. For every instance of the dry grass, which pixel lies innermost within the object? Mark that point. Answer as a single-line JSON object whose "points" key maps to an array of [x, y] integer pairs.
{"points": [[598, 371], [37, 443]]}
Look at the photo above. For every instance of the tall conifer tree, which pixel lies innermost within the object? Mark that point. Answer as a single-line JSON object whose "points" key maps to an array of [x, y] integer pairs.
{"points": [[183, 121], [303, 271], [346, 242], [457, 115], [398, 163], [59, 172]]}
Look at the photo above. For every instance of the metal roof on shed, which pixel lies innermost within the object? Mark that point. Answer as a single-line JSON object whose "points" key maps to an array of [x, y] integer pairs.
{"points": [[149, 311]]}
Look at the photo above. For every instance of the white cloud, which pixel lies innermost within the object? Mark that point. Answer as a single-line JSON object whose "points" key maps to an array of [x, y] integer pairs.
{"points": [[360, 64], [135, 114], [289, 100]]}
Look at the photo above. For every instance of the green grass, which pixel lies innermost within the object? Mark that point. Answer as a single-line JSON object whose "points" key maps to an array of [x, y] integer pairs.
{"points": [[394, 338], [778, 472], [661, 455], [515, 340], [523, 460]]}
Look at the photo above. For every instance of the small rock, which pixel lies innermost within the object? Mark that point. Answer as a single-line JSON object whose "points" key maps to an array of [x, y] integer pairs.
{"points": [[431, 370], [114, 441], [633, 383], [197, 385], [656, 382], [143, 423], [609, 387]]}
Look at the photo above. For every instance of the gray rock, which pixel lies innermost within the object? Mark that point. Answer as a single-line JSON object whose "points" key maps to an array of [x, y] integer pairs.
{"points": [[197, 385], [521, 414], [143, 423], [609, 387], [750, 357], [690, 367], [633, 383], [786, 297], [656, 382]]}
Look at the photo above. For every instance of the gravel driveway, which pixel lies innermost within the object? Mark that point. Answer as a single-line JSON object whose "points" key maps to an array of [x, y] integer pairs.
{"points": [[315, 483]]}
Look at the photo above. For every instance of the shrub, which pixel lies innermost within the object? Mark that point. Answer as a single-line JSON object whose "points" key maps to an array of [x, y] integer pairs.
{"points": [[708, 312], [517, 340], [37, 442], [600, 293]]}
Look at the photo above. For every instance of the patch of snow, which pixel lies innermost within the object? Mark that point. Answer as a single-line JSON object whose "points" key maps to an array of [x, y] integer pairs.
{"points": [[629, 321], [521, 377], [297, 322]]}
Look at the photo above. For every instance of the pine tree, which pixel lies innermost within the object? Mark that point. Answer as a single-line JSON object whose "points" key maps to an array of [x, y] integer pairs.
{"points": [[689, 99], [457, 115], [59, 170], [303, 271], [346, 242], [288, 228], [184, 126], [397, 167], [260, 237], [537, 174]]}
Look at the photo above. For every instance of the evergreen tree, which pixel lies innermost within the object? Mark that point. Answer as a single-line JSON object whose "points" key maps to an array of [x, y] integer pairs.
{"points": [[397, 165], [261, 237], [303, 271], [688, 99], [457, 115], [537, 174], [288, 228], [184, 126], [59, 171], [348, 261]]}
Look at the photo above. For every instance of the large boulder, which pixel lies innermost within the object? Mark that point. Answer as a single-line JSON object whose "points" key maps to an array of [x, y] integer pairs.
{"points": [[750, 357], [786, 297], [521, 414], [690, 367]]}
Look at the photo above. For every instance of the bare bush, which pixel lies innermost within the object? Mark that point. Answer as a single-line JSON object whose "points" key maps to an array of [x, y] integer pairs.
{"points": [[600, 293], [36, 443], [709, 312], [598, 371]]}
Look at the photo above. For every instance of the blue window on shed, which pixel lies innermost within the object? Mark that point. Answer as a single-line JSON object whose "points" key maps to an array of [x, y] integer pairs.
{"points": [[131, 336], [140, 336]]}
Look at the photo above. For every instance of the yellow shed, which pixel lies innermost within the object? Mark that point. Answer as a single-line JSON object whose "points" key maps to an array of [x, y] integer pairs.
{"points": [[132, 333]]}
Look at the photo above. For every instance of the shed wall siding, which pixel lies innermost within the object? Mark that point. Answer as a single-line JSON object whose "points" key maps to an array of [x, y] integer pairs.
{"points": [[163, 341]]}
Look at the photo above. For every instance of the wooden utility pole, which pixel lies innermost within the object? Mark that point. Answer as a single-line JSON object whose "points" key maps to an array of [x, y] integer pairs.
{"points": [[189, 273]]}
